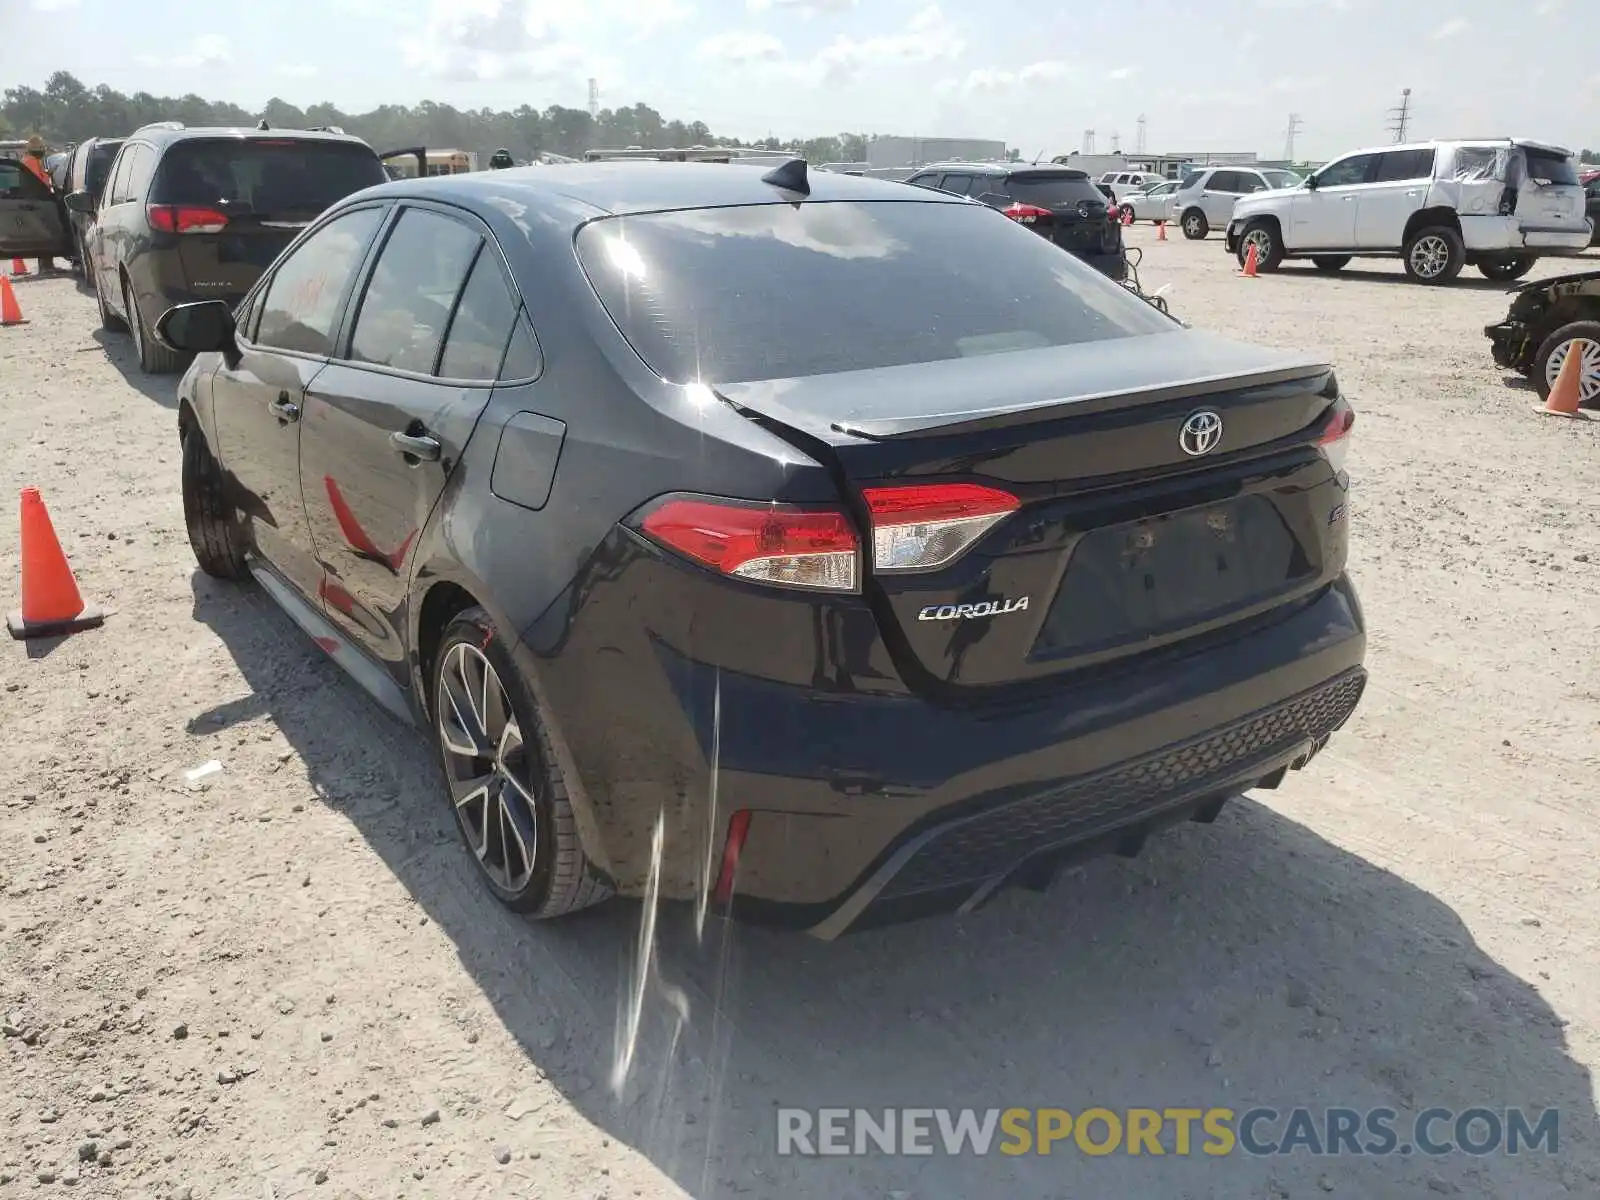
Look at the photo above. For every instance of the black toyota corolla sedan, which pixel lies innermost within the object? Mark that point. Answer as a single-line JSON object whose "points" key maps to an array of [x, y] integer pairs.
{"points": [[822, 551]]}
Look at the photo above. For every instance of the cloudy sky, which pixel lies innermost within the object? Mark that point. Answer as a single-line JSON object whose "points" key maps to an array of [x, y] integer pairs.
{"points": [[1207, 74]]}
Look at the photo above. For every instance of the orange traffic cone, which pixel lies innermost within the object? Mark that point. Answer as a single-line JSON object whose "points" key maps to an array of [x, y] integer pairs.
{"points": [[51, 602], [1161, 231], [1250, 261], [19, 268], [1567, 392], [10, 310]]}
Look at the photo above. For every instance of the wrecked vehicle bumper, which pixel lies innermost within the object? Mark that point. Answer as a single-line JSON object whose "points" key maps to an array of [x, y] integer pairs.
{"points": [[1538, 308], [1491, 234]]}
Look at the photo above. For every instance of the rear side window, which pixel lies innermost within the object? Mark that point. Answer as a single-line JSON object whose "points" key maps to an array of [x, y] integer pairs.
{"points": [[287, 178], [1398, 165], [482, 324], [924, 181], [413, 289], [301, 306], [1225, 181], [117, 189], [1551, 169], [1053, 191], [141, 165], [774, 290]]}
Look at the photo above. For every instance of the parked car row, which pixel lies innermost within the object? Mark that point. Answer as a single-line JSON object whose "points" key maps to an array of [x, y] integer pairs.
{"points": [[551, 462]]}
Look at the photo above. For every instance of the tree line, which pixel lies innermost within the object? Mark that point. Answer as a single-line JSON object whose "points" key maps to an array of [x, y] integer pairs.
{"points": [[67, 111]]}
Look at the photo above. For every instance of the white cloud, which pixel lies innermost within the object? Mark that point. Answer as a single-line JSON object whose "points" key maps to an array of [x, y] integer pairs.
{"points": [[995, 79], [1450, 28], [207, 50], [928, 38], [529, 39], [1120, 72], [736, 47], [297, 70], [809, 8]]}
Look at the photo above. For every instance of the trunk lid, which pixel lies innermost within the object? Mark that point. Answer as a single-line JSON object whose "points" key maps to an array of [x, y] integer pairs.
{"points": [[1124, 543]]}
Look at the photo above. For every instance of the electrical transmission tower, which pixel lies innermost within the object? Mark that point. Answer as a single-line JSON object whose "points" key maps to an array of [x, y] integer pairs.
{"points": [[1116, 143], [1088, 141], [594, 99], [1288, 137], [1138, 137], [1400, 116]]}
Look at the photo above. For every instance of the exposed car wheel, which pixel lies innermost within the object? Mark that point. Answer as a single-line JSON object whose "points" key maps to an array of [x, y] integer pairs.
{"points": [[508, 794], [1125, 212], [109, 320], [1552, 356], [216, 532], [1330, 262], [1507, 268], [1263, 235], [154, 358], [1434, 255], [1195, 225]]}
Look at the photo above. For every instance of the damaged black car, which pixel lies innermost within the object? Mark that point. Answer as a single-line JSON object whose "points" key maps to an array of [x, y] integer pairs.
{"points": [[1548, 320]]}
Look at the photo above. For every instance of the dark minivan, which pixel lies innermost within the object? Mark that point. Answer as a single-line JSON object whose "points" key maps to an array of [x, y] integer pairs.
{"points": [[1058, 203], [199, 214], [87, 171]]}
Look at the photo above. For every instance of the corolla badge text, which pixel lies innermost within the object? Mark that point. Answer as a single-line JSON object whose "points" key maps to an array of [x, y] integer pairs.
{"points": [[964, 612]]}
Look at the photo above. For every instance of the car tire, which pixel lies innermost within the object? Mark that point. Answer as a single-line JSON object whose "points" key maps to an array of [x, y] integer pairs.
{"points": [[515, 794], [109, 320], [1194, 224], [154, 358], [1552, 353], [1268, 242], [1125, 213], [216, 531], [1330, 262], [1506, 269], [1434, 255]]}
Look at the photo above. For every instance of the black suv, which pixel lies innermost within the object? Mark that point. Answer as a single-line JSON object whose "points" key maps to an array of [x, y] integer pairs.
{"points": [[87, 170], [199, 214], [1058, 203]]}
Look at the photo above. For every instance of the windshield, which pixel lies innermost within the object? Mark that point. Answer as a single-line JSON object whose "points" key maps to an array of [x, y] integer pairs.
{"points": [[1281, 179], [779, 291], [286, 177], [1053, 191]]}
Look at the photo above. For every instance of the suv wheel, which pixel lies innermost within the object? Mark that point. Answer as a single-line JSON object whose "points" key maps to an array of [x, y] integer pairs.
{"points": [[1502, 269], [1330, 262], [216, 533], [508, 794], [1434, 255], [1263, 235], [1195, 225], [1552, 356], [154, 358]]}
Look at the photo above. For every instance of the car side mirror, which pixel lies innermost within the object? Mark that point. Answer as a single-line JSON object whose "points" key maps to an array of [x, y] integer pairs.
{"points": [[79, 202], [205, 326], [1311, 182]]}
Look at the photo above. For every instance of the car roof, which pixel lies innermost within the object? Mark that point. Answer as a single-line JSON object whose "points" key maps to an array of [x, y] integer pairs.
{"points": [[1008, 168], [1434, 143], [167, 134], [630, 187]]}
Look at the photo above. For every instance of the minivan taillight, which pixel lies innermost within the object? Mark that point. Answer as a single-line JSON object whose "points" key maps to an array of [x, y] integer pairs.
{"points": [[783, 544], [185, 218], [1334, 441], [924, 526]]}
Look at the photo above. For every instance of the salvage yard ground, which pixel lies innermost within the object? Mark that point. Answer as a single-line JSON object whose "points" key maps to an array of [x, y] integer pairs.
{"points": [[286, 975]]}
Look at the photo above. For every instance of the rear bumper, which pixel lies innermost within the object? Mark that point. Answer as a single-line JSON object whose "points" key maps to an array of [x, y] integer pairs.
{"points": [[1489, 234], [869, 803]]}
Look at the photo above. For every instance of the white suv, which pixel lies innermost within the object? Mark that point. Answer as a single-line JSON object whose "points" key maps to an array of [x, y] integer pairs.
{"points": [[1129, 183], [1498, 205]]}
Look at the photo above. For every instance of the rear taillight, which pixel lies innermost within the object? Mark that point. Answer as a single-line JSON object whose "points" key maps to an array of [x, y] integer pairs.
{"points": [[183, 218], [1334, 441], [768, 543], [923, 526], [1025, 214]]}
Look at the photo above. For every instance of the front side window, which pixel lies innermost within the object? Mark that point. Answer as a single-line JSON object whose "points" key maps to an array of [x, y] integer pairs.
{"points": [[420, 271], [1347, 171], [957, 184], [883, 284], [301, 305]]}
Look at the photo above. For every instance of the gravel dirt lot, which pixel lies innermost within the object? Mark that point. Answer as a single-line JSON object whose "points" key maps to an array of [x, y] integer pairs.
{"points": [[284, 980]]}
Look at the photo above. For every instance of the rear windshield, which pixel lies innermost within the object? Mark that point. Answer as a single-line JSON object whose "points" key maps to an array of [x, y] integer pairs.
{"points": [[772, 291], [1551, 168], [1053, 191], [277, 177], [101, 156]]}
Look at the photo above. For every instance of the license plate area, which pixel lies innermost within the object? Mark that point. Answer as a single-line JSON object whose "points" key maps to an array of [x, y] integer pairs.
{"points": [[1144, 579]]}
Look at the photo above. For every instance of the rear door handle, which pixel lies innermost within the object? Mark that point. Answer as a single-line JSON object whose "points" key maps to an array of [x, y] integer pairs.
{"points": [[284, 408], [416, 445]]}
